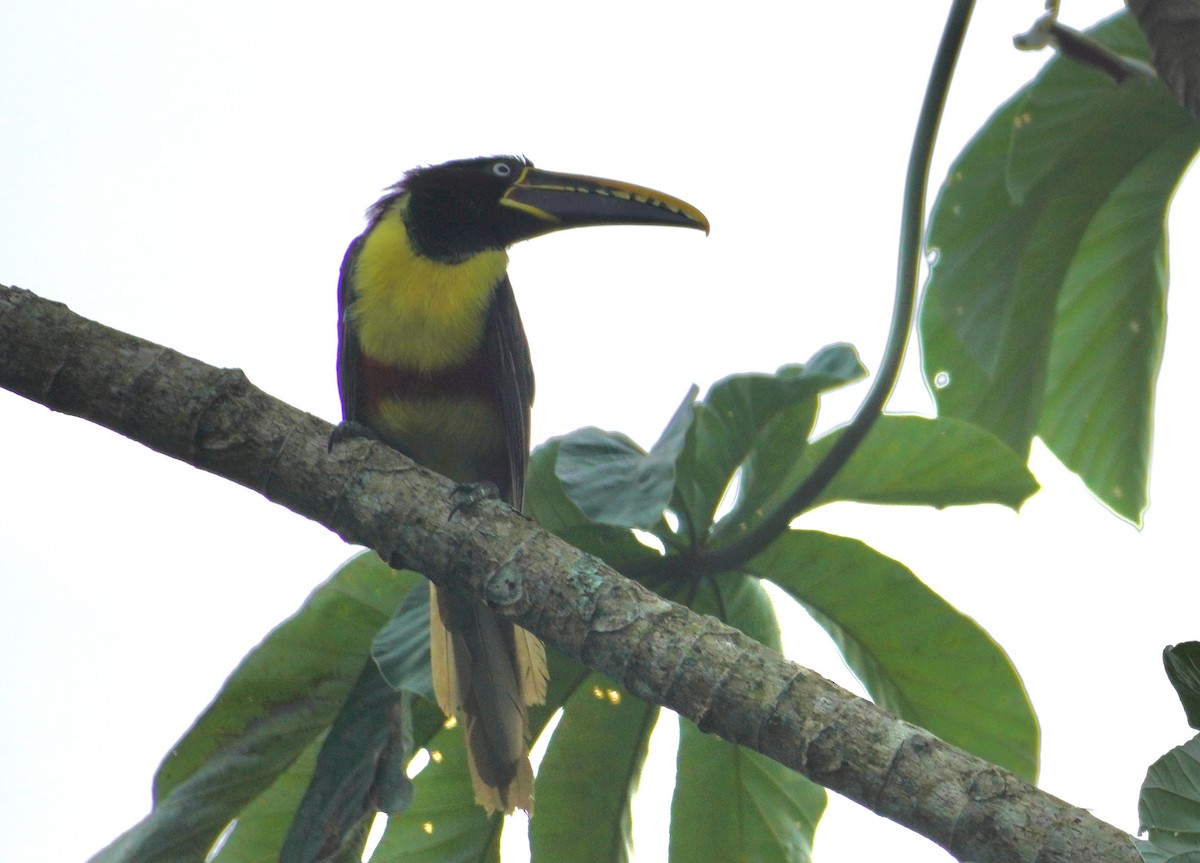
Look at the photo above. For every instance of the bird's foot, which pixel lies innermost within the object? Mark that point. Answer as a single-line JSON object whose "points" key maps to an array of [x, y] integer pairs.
{"points": [[351, 430], [468, 494]]}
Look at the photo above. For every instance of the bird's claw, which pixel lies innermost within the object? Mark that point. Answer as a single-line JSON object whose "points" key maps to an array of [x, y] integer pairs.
{"points": [[468, 494], [350, 430]]}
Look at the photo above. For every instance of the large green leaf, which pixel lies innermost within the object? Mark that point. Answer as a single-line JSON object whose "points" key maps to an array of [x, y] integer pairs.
{"points": [[748, 807], [1165, 848], [587, 780], [917, 656], [259, 831], [743, 412], [283, 695], [548, 505], [903, 460], [1043, 312], [1170, 798], [1169, 806], [732, 803], [401, 647], [916, 461], [613, 481], [1108, 339], [361, 770], [1182, 662], [444, 824]]}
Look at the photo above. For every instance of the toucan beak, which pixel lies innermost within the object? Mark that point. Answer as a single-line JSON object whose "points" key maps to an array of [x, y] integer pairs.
{"points": [[572, 200]]}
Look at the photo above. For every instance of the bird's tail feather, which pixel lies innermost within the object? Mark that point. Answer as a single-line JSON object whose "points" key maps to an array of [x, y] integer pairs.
{"points": [[487, 671]]}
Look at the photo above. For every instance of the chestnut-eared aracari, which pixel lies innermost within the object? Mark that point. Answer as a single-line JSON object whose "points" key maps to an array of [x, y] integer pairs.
{"points": [[433, 360]]}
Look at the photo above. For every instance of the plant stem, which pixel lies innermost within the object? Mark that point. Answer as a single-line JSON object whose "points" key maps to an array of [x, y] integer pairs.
{"points": [[912, 225]]}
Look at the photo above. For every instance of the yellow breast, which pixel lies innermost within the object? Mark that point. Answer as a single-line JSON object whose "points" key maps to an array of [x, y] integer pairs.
{"points": [[460, 436], [416, 312]]}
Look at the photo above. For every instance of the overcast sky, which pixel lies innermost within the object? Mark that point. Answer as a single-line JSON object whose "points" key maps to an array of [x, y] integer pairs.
{"points": [[193, 174]]}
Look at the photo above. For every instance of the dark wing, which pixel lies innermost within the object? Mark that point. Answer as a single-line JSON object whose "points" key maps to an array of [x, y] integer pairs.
{"points": [[507, 354], [349, 353]]}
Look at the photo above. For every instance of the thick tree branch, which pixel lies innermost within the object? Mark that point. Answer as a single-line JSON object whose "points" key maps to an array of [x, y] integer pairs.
{"points": [[727, 683]]}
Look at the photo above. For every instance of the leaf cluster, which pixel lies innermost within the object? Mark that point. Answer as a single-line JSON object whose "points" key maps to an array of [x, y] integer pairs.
{"points": [[312, 733]]}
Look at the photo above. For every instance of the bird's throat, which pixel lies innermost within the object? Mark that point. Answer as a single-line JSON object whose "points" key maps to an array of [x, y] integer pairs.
{"points": [[416, 312]]}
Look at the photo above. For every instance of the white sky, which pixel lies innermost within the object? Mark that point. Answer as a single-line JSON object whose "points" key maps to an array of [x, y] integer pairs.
{"points": [[193, 175]]}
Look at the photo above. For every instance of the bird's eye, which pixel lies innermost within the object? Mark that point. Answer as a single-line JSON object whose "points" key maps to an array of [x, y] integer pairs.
{"points": [[502, 169]]}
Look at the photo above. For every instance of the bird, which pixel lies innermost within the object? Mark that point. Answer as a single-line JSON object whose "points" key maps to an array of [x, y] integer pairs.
{"points": [[433, 360]]}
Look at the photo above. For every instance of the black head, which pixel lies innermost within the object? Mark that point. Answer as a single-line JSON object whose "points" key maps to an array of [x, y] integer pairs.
{"points": [[459, 208], [454, 208]]}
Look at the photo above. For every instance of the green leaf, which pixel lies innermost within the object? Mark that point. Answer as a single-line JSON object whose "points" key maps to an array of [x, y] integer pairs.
{"points": [[1183, 670], [743, 805], [587, 780], [360, 771], [545, 501], [444, 824], [1170, 799], [1061, 101], [731, 803], [743, 412], [613, 481], [917, 656], [283, 695], [1165, 848], [259, 831], [1108, 338], [401, 647], [905, 460], [1044, 309], [940, 462], [548, 505]]}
